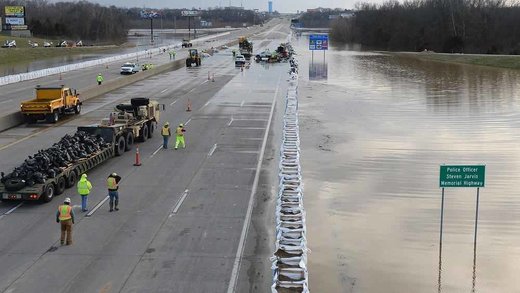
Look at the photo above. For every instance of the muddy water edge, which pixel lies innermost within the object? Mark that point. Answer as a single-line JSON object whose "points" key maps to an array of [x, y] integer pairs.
{"points": [[374, 130]]}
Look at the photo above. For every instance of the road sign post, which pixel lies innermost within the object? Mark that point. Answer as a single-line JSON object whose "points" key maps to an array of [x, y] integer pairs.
{"points": [[453, 176]]}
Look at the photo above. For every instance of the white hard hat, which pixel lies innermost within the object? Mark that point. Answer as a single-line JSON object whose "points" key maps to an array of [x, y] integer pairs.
{"points": [[67, 200], [114, 174]]}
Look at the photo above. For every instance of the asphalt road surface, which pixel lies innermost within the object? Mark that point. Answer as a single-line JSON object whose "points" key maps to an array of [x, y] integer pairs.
{"points": [[13, 94], [189, 220]]}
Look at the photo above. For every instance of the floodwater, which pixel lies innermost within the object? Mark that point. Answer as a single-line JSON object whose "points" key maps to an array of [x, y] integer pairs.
{"points": [[137, 43], [374, 129]]}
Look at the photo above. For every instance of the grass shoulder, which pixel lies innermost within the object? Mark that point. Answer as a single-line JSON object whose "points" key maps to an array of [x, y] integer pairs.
{"points": [[502, 61]]}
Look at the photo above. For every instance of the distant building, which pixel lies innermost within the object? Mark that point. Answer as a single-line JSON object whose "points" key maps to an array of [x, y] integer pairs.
{"points": [[319, 9], [347, 14], [234, 8], [270, 6]]}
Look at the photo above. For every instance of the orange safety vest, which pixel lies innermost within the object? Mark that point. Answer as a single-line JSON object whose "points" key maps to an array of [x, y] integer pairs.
{"points": [[166, 131], [179, 131], [65, 212], [111, 183]]}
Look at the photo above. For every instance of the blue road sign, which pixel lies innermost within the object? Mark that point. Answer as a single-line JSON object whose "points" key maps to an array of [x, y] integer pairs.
{"points": [[318, 42]]}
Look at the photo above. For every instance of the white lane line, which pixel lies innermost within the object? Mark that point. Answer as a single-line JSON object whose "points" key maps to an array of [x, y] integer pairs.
{"points": [[186, 123], [171, 104], [230, 121], [212, 150], [163, 91], [242, 104], [11, 210], [204, 82], [241, 245], [156, 151], [179, 203], [205, 105], [97, 207], [6, 101]]}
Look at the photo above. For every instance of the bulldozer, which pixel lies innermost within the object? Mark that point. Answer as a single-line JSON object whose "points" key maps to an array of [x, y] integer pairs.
{"points": [[193, 58]]}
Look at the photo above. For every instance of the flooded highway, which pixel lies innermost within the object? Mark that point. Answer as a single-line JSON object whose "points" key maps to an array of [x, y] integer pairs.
{"points": [[374, 129]]}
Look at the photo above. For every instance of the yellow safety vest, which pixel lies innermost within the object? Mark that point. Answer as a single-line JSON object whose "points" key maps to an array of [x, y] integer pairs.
{"points": [[65, 212], [83, 187], [111, 183], [165, 131], [99, 78], [179, 131]]}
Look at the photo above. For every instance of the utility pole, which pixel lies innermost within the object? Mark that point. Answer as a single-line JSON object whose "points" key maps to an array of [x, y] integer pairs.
{"points": [[151, 30]]}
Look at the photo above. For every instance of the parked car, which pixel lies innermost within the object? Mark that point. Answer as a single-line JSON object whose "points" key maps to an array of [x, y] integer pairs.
{"points": [[9, 44], [240, 60], [130, 68], [47, 44]]}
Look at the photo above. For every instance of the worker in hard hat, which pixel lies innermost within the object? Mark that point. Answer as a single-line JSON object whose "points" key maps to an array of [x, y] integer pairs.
{"points": [[166, 133], [113, 191], [99, 79], [65, 216], [179, 136], [84, 186]]}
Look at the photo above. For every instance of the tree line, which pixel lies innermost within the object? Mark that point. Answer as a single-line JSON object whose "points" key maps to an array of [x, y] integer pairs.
{"points": [[78, 20], [451, 26]]}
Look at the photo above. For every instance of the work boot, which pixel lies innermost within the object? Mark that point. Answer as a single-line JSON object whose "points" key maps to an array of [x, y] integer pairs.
{"points": [[116, 208]]}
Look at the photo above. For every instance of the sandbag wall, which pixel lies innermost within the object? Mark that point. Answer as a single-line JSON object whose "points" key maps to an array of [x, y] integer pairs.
{"points": [[289, 262]]}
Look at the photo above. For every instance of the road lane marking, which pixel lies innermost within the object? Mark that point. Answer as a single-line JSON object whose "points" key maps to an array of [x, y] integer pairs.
{"points": [[207, 103], [97, 207], [173, 102], [230, 121], [156, 151], [186, 123], [212, 150], [245, 228], [242, 104], [179, 203], [11, 210], [163, 91]]}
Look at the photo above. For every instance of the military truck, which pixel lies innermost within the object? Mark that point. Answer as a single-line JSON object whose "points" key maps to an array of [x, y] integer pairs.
{"points": [[129, 122], [51, 103]]}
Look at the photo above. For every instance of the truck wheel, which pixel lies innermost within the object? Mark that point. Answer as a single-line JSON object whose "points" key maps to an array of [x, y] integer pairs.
{"points": [[77, 109], [129, 141], [60, 185], [48, 193], [52, 118], [144, 133], [188, 63], [120, 145], [151, 129], [71, 180]]}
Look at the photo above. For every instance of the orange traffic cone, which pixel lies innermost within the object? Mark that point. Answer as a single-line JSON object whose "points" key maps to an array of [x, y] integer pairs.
{"points": [[188, 106], [137, 157]]}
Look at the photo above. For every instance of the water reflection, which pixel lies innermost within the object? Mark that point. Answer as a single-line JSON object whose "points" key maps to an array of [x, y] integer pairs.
{"points": [[373, 136], [318, 71]]}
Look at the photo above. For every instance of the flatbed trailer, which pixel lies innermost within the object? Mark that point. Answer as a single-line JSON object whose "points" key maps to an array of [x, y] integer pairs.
{"points": [[55, 186]]}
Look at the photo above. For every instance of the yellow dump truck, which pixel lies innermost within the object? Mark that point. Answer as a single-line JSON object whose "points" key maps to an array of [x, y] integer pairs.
{"points": [[51, 103]]}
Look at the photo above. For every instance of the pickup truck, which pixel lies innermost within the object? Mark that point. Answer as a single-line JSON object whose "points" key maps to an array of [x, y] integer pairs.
{"points": [[51, 103]]}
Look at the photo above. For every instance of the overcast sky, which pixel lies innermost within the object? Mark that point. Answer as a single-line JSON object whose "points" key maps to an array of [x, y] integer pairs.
{"points": [[279, 5]]}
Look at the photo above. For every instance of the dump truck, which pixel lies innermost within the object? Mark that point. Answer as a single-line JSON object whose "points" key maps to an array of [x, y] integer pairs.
{"points": [[245, 47], [128, 123], [51, 103], [193, 58]]}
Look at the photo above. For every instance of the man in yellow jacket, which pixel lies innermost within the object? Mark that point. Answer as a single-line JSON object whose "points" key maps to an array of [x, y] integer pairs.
{"points": [[179, 135], [65, 217], [84, 187]]}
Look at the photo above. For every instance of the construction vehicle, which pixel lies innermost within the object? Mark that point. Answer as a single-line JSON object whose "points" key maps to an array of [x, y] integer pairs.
{"points": [[193, 58], [186, 43], [128, 123], [245, 47], [51, 103]]}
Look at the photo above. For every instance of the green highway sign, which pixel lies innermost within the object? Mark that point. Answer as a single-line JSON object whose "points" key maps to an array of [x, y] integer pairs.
{"points": [[462, 176]]}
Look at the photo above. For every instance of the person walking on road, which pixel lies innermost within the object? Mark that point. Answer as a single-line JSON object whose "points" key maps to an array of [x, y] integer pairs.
{"points": [[65, 217], [99, 79], [113, 193], [179, 136], [84, 187], [166, 133]]}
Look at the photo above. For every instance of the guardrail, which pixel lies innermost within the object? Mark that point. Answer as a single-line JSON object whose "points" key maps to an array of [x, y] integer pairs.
{"points": [[9, 79], [289, 262]]}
